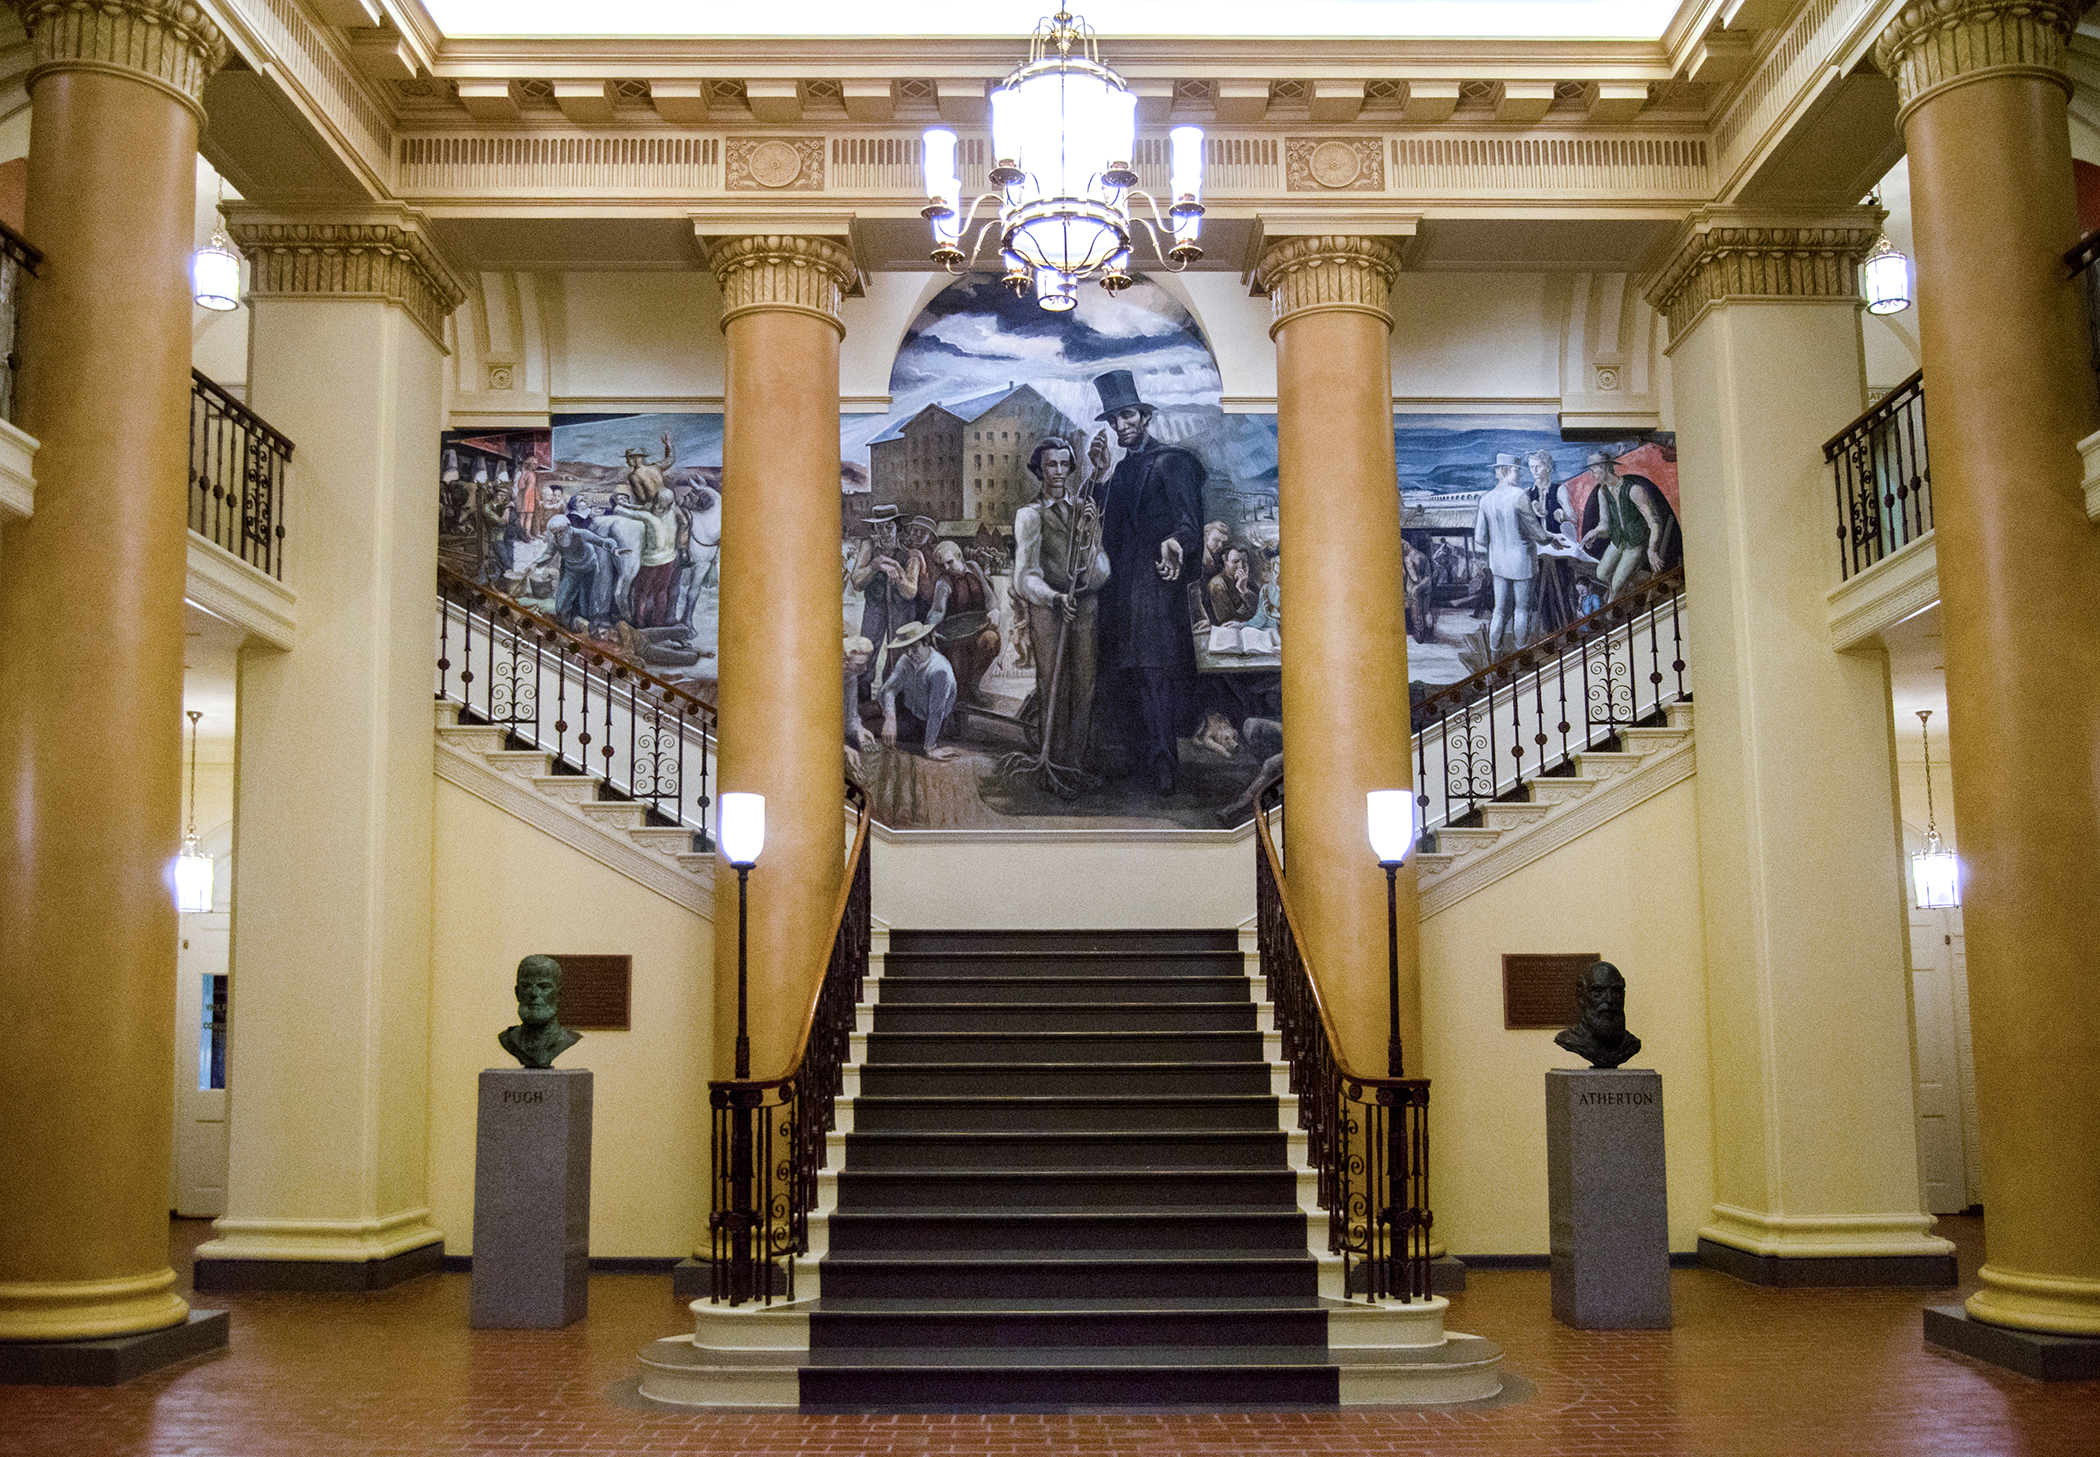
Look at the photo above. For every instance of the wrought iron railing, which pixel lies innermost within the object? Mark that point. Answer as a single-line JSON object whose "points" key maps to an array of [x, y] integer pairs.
{"points": [[2084, 263], [1483, 738], [18, 261], [770, 1135], [237, 473], [598, 714], [1367, 1137], [1884, 478]]}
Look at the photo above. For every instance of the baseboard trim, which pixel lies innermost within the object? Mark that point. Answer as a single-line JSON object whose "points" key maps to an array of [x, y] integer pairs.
{"points": [[111, 1360], [1932, 1272], [1679, 1260], [327, 1276], [2034, 1354]]}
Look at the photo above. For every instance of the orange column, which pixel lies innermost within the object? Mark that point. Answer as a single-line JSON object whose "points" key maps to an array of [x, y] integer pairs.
{"points": [[781, 626], [2008, 395], [1345, 723], [91, 631]]}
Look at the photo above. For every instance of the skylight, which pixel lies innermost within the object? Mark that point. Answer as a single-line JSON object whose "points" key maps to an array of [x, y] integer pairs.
{"points": [[1301, 19]]}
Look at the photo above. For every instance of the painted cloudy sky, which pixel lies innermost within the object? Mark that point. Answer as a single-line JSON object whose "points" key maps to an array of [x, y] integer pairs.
{"points": [[976, 337]]}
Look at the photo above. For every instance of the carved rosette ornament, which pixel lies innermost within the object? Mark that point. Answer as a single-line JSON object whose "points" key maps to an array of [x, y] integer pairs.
{"points": [[170, 42], [782, 272], [1722, 259], [364, 259], [1936, 43], [1330, 274]]}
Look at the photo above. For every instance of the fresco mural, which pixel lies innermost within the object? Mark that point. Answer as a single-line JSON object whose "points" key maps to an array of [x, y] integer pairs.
{"points": [[1061, 588]]}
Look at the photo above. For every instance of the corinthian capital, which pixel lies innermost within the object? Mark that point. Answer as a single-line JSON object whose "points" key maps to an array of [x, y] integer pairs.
{"points": [[1730, 255], [171, 42], [783, 273], [1931, 43], [1325, 274]]}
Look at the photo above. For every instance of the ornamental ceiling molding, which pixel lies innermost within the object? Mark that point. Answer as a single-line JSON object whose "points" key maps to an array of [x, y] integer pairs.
{"points": [[1722, 256], [783, 273], [1932, 44], [171, 43], [361, 257], [1332, 273]]}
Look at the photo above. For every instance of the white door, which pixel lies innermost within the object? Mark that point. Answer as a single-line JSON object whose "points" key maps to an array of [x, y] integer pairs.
{"points": [[1938, 1023], [201, 982]]}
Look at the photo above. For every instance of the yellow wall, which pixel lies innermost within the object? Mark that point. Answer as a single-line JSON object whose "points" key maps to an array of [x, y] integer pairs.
{"points": [[1628, 890], [505, 891]]}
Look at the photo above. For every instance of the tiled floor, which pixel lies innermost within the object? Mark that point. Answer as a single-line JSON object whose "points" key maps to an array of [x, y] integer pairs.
{"points": [[1746, 1372]]}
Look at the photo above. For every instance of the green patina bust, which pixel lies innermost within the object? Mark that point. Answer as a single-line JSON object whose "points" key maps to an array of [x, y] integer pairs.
{"points": [[1601, 1035], [538, 1038]]}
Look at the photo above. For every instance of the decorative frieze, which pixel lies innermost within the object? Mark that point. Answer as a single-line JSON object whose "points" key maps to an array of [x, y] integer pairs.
{"points": [[1931, 43], [784, 272], [365, 258], [1324, 274], [1334, 164], [172, 42], [1723, 256], [774, 164]]}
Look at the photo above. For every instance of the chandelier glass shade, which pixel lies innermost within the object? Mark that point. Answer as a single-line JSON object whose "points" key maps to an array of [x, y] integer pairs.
{"points": [[215, 275], [1934, 872], [193, 868], [1884, 277], [1064, 131]]}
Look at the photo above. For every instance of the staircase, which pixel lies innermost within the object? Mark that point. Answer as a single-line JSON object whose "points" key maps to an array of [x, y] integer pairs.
{"points": [[1067, 1183]]}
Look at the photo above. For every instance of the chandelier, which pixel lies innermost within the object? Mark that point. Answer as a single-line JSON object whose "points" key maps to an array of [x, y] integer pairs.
{"points": [[1934, 871], [1063, 135]]}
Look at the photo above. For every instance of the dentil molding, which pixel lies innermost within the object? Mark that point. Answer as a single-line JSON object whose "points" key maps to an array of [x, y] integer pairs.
{"points": [[172, 42], [1932, 43]]}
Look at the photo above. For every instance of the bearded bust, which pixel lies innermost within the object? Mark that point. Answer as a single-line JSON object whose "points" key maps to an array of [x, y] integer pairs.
{"points": [[1601, 1035], [539, 1037]]}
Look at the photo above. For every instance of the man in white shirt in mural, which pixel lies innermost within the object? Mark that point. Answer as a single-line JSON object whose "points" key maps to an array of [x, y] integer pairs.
{"points": [[1509, 531]]}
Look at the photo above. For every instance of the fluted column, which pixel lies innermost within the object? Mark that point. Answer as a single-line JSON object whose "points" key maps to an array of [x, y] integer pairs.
{"points": [[1345, 711], [1800, 864], [329, 1078], [2008, 395], [91, 632], [781, 624]]}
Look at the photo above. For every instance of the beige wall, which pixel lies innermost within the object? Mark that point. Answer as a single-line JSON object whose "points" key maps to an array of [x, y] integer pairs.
{"points": [[1628, 890], [506, 891], [946, 882]]}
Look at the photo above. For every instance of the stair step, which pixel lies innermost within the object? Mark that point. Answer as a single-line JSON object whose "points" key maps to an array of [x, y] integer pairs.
{"points": [[616, 814], [1095, 1230], [933, 1190], [1080, 1152], [1563, 788], [476, 738], [1602, 764], [666, 839], [1022, 1017], [1503, 817], [1464, 840], [917, 989], [1023, 942], [1024, 1275], [1010, 1048], [1016, 1114], [1076, 1079], [1026, 1325], [1135, 1381]]}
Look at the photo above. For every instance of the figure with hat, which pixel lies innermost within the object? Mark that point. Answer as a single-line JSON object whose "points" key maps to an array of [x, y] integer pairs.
{"points": [[889, 589], [1509, 531], [1152, 532], [920, 685], [645, 481], [1630, 522]]}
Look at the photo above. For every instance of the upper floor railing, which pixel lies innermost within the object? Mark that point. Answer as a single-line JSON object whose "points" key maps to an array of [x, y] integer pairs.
{"points": [[18, 262], [2084, 263], [596, 712], [1482, 738], [238, 464], [1884, 478]]}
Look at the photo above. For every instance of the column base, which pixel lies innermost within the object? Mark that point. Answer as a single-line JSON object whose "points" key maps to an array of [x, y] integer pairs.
{"points": [[1932, 1271], [2032, 1354], [333, 1276], [112, 1360]]}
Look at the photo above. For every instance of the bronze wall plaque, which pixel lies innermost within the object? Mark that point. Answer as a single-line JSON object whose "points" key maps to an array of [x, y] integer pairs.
{"points": [[1538, 990], [594, 992]]}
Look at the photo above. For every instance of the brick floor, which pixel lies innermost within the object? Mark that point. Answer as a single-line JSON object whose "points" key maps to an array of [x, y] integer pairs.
{"points": [[1747, 1372]]}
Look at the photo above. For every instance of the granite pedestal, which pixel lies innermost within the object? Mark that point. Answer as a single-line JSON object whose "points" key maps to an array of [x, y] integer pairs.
{"points": [[1608, 1206], [532, 1199]]}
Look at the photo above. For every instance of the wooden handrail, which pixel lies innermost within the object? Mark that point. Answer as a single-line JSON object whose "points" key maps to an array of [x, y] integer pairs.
{"points": [[19, 248]]}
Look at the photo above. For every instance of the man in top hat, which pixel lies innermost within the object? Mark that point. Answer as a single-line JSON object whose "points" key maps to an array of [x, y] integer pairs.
{"points": [[1509, 531], [1152, 531], [1629, 522]]}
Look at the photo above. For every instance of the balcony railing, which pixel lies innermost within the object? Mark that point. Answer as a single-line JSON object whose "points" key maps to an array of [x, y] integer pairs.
{"points": [[237, 473], [1884, 478], [18, 261]]}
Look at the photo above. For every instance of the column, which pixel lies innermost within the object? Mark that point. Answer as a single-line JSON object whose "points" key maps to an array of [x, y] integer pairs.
{"points": [[328, 1082], [2009, 394], [1801, 867], [782, 625], [1345, 711], [91, 631]]}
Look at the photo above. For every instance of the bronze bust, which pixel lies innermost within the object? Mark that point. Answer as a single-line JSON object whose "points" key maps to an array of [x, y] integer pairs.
{"points": [[1601, 1035], [538, 1038]]}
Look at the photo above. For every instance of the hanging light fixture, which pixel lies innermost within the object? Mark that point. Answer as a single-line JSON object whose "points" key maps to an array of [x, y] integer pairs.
{"points": [[1063, 136], [1934, 871], [193, 868], [215, 269], [1884, 277]]}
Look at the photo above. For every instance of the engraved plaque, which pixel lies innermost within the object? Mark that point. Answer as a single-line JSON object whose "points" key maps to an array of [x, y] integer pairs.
{"points": [[1333, 164], [1538, 990], [773, 164], [594, 992]]}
